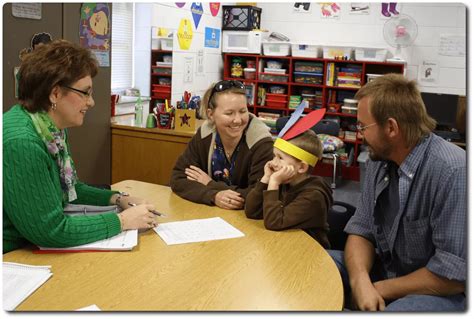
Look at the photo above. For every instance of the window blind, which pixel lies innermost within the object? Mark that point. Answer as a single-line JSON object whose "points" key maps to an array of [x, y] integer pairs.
{"points": [[122, 46]]}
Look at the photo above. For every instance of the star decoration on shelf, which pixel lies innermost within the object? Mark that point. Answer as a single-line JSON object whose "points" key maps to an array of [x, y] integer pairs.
{"points": [[185, 120]]}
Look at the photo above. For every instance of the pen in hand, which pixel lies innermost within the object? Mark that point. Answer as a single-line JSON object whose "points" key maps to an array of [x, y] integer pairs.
{"points": [[157, 213]]}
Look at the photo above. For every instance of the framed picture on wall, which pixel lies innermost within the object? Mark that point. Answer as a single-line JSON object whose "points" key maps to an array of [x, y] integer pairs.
{"points": [[16, 71]]}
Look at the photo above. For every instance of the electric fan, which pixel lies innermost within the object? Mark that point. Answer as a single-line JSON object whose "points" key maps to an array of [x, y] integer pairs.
{"points": [[400, 32]]}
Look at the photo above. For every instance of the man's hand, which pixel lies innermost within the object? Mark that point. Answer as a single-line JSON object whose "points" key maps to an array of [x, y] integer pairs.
{"points": [[365, 296]]}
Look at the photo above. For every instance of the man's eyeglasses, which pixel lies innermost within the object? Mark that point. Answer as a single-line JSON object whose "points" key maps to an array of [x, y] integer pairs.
{"points": [[225, 85], [85, 94], [361, 128]]}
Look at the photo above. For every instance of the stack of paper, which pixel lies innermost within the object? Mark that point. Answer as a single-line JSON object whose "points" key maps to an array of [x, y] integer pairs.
{"points": [[196, 230], [124, 241], [20, 281]]}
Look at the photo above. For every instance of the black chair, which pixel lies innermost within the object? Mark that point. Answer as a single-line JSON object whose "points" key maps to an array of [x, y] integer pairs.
{"points": [[322, 127], [338, 216]]}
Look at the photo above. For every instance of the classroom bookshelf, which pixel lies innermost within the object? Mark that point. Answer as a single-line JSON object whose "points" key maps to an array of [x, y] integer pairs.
{"points": [[160, 76], [324, 83]]}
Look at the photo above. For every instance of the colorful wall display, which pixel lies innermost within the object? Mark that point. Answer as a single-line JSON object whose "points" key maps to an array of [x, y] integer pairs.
{"points": [[212, 37], [94, 30], [197, 11], [214, 6], [185, 34]]}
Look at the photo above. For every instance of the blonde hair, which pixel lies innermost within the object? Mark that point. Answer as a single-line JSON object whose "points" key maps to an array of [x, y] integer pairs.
{"points": [[394, 96], [309, 142], [211, 104]]}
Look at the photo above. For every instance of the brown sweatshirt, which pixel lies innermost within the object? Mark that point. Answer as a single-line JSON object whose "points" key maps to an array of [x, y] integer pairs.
{"points": [[256, 150], [302, 206]]}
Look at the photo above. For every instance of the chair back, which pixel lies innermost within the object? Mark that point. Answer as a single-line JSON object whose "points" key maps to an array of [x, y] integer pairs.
{"points": [[322, 127], [338, 216]]}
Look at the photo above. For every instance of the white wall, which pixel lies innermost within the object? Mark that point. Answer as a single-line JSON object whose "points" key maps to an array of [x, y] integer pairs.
{"points": [[432, 19], [168, 15]]}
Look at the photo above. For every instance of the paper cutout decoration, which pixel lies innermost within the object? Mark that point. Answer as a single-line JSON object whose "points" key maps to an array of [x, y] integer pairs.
{"points": [[196, 11], [94, 29], [180, 4], [304, 124], [294, 117], [214, 6], [185, 34]]}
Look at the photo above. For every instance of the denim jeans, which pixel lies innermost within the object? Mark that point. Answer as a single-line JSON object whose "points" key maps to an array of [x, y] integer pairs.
{"points": [[421, 303]]}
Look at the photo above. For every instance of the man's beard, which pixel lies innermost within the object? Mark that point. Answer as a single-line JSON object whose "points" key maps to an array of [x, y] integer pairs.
{"points": [[380, 154]]}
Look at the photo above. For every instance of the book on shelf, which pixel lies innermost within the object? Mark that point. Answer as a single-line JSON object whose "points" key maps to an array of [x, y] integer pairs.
{"points": [[20, 281]]}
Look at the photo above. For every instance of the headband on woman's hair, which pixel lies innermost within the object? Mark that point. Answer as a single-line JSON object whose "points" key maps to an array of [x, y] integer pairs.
{"points": [[297, 126]]}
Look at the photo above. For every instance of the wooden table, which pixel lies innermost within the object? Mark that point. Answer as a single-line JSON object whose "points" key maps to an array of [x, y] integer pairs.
{"points": [[264, 270]]}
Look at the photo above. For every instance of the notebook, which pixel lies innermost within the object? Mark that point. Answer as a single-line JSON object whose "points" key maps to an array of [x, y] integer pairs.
{"points": [[124, 241], [20, 281]]}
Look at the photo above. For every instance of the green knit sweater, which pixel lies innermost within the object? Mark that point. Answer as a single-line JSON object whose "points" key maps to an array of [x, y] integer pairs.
{"points": [[32, 195]]}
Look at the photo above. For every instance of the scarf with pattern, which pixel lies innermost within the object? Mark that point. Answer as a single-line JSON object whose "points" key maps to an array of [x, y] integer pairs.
{"points": [[55, 141]]}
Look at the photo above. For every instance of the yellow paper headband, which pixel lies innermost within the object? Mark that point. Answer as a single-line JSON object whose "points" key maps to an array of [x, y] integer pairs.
{"points": [[295, 151]]}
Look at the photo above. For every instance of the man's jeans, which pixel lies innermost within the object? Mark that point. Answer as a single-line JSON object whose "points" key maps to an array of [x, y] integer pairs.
{"points": [[426, 303]]}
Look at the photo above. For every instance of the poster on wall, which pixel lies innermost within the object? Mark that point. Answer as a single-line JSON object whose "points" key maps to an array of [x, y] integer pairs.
{"points": [[214, 6], [196, 11], [212, 38], [360, 8], [94, 31], [188, 69], [185, 34], [302, 7], [27, 10], [389, 9], [330, 10], [200, 63], [428, 73], [452, 45]]}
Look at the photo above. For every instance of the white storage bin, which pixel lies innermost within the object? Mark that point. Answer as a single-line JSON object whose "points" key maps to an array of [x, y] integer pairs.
{"points": [[305, 50], [371, 77], [332, 52], [155, 44], [370, 54], [166, 44], [276, 48]]}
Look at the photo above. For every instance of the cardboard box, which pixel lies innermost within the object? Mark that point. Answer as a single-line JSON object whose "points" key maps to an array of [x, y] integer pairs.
{"points": [[185, 120]]}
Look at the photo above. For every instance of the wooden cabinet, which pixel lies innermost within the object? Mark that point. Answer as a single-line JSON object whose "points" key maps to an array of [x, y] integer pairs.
{"points": [[325, 83], [145, 154], [161, 74]]}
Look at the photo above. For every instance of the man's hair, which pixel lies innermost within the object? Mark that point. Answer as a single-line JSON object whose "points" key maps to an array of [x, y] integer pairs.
{"points": [[309, 142], [57, 63], [394, 96]]}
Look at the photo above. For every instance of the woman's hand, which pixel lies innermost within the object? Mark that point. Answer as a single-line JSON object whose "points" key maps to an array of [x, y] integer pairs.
{"points": [[125, 200], [138, 217], [229, 199], [194, 173]]}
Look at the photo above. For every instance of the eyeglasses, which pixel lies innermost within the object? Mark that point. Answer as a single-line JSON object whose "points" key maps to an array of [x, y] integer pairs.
{"points": [[225, 85], [361, 128], [84, 94]]}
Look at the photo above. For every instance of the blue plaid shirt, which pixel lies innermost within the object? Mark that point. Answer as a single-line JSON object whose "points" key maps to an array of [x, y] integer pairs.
{"points": [[429, 229]]}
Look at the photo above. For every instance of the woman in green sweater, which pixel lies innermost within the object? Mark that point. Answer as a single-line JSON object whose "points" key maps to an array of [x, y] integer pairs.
{"points": [[39, 179]]}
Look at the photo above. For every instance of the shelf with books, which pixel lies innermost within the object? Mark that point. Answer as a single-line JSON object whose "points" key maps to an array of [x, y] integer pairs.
{"points": [[160, 77], [325, 83]]}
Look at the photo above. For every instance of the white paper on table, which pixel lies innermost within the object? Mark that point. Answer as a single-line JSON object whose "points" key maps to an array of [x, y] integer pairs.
{"points": [[196, 230], [124, 241], [20, 281], [89, 308]]}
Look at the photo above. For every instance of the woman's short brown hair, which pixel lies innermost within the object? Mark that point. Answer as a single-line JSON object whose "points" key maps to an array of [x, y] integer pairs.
{"points": [[394, 96], [57, 63]]}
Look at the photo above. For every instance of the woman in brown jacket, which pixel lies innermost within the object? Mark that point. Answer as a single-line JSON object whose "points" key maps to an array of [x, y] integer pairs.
{"points": [[227, 155]]}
